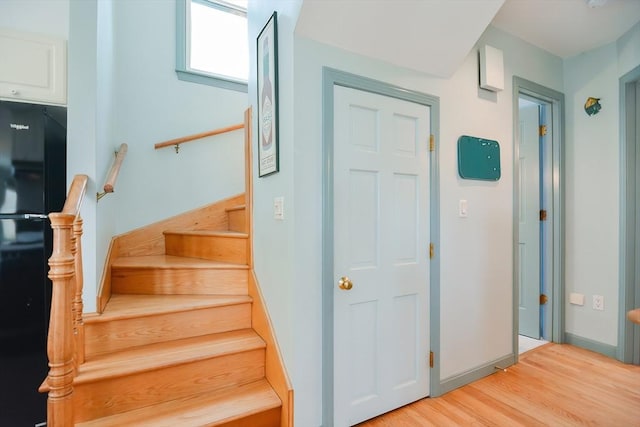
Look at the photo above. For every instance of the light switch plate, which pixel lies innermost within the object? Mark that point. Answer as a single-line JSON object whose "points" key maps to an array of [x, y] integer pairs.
{"points": [[278, 208], [463, 209], [576, 299]]}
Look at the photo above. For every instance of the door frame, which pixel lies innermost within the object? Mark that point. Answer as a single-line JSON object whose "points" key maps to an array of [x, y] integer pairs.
{"points": [[330, 78], [629, 296], [556, 100], [543, 155]]}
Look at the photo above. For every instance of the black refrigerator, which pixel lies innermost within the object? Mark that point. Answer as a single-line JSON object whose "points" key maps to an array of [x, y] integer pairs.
{"points": [[32, 184]]}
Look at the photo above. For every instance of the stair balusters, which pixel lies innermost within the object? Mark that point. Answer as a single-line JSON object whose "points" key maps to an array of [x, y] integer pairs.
{"points": [[64, 348]]}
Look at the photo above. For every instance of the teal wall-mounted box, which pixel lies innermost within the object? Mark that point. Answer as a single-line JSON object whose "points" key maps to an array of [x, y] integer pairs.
{"points": [[478, 158]]}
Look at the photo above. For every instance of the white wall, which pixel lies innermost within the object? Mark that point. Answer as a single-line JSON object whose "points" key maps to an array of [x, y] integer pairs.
{"points": [[593, 185]]}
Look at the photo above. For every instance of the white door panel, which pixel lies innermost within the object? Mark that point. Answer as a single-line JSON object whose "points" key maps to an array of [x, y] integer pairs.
{"points": [[381, 240]]}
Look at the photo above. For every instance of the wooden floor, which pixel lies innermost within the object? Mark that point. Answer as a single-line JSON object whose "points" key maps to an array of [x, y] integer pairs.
{"points": [[553, 385]]}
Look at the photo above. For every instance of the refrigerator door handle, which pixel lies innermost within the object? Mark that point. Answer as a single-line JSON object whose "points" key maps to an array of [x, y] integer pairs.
{"points": [[35, 216], [24, 216]]}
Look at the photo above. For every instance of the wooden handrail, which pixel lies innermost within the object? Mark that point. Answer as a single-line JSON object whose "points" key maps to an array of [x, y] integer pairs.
{"points": [[65, 324], [113, 172], [177, 141]]}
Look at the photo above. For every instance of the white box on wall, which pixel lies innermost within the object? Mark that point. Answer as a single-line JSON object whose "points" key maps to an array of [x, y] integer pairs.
{"points": [[491, 68]]}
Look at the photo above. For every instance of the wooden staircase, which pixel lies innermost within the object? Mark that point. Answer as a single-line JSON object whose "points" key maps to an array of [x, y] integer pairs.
{"points": [[182, 337], [174, 345]]}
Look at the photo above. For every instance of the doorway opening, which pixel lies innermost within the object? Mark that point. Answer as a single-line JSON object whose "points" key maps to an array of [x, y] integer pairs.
{"points": [[538, 213], [629, 335]]}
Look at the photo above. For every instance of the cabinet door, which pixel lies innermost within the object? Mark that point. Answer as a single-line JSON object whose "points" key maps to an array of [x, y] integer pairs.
{"points": [[34, 68]]}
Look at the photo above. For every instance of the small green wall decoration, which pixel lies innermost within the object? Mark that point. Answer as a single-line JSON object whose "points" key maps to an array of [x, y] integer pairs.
{"points": [[592, 106], [478, 158]]}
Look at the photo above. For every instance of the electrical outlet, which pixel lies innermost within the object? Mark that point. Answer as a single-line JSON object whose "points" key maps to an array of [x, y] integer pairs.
{"points": [[598, 302]]}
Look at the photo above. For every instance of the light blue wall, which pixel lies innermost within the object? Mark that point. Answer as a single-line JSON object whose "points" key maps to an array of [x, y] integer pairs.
{"points": [[151, 105], [123, 88], [629, 50], [82, 128], [593, 185], [476, 302], [141, 102], [274, 248], [49, 17], [105, 88]]}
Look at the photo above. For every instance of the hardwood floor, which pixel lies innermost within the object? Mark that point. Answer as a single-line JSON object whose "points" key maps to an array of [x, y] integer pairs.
{"points": [[553, 385]]}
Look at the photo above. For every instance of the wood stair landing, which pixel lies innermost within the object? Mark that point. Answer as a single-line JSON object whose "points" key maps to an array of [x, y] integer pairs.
{"points": [[174, 345]]}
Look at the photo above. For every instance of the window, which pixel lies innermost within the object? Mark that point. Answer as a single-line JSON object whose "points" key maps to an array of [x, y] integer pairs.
{"points": [[212, 45]]}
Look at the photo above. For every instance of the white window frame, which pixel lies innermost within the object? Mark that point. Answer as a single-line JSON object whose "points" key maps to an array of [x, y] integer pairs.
{"points": [[184, 72]]}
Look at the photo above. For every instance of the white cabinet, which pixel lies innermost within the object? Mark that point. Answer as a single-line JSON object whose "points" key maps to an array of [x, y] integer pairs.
{"points": [[33, 67]]}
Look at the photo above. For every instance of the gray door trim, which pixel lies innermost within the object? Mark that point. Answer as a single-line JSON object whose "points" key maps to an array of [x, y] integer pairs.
{"points": [[556, 100], [629, 296], [330, 78]]}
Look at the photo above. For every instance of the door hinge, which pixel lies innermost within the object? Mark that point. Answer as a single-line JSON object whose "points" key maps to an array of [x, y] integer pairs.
{"points": [[543, 214], [432, 250], [432, 143], [542, 130], [543, 299], [431, 359]]}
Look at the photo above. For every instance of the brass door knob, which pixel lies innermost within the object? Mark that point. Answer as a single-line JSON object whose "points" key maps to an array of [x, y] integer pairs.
{"points": [[344, 283]]}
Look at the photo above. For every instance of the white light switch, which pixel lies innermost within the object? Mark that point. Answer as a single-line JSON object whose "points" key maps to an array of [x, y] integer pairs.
{"points": [[576, 299], [463, 209], [278, 208]]}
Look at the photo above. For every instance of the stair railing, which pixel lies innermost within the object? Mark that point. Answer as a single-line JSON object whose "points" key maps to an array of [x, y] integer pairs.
{"points": [[109, 185], [177, 141], [65, 340]]}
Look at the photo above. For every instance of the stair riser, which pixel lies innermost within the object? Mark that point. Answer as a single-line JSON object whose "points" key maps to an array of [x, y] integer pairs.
{"points": [[116, 395], [215, 248], [178, 281], [268, 418], [237, 221], [104, 337]]}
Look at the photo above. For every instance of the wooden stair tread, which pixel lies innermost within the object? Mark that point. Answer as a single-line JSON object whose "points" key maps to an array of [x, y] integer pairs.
{"points": [[208, 233], [168, 262], [123, 306], [209, 409], [155, 356]]}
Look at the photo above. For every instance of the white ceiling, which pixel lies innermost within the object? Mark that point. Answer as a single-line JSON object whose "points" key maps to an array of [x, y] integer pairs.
{"points": [[567, 27], [434, 36]]}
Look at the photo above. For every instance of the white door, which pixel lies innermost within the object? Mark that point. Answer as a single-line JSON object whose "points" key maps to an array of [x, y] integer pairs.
{"points": [[381, 244], [529, 225]]}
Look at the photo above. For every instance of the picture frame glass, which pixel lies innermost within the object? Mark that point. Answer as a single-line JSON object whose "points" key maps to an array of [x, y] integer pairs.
{"points": [[267, 78]]}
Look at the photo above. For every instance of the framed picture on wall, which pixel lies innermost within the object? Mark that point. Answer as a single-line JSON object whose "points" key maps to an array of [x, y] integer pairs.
{"points": [[267, 48]]}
